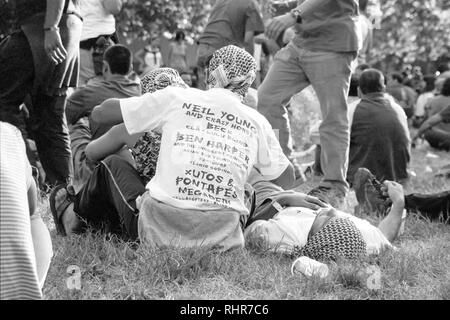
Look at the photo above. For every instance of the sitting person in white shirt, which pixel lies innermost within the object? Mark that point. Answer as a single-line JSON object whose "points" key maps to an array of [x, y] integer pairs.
{"points": [[210, 142], [294, 223]]}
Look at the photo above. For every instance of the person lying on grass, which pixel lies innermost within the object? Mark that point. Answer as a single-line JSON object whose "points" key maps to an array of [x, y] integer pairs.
{"points": [[210, 142], [319, 231]]}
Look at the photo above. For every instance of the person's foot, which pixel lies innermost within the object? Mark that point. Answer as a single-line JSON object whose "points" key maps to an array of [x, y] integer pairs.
{"points": [[332, 196], [61, 202], [369, 194]]}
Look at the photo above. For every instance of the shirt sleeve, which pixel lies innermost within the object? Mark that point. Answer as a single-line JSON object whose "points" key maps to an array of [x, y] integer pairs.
{"points": [[147, 112], [271, 161], [254, 19], [445, 114]]}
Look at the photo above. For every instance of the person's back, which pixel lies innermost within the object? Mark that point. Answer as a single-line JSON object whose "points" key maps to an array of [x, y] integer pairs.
{"points": [[95, 93], [210, 143], [229, 21], [404, 95], [116, 83], [332, 28], [379, 138], [435, 106]]}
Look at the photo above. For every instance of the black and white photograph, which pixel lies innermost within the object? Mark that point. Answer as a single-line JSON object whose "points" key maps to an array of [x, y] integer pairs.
{"points": [[225, 158]]}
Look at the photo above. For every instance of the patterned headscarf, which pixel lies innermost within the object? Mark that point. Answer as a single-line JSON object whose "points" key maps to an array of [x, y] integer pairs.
{"points": [[146, 149], [232, 68], [160, 78], [338, 238]]}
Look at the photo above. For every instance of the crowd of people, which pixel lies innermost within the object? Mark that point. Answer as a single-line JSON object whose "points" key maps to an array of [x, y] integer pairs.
{"points": [[156, 160]]}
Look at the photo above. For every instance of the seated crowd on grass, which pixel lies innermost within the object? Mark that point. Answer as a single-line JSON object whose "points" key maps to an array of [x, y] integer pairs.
{"points": [[161, 163]]}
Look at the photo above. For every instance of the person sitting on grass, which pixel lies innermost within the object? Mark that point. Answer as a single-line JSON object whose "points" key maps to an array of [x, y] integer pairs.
{"points": [[210, 143], [115, 83], [144, 147], [436, 129], [294, 223], [379, 134], [144, 150]]}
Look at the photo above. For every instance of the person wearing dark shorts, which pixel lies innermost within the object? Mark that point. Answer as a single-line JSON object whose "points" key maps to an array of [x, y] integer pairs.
{"points": [[41, 61]]}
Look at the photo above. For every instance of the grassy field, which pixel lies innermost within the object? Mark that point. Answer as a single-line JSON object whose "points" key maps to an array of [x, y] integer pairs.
{"points": [[112, 269]]}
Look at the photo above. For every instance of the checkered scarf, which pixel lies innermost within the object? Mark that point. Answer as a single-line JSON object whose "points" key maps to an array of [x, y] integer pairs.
{"points": [[338, 238], [232, 68], [160, 78]]}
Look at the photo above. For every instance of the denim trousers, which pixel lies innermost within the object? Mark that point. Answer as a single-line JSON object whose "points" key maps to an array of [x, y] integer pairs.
{"points": [[329, 74], [46, 121]]}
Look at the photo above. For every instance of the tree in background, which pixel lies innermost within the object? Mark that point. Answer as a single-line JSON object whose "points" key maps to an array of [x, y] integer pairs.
{"points": [[412, 31], [145, 18], [409, 30]]}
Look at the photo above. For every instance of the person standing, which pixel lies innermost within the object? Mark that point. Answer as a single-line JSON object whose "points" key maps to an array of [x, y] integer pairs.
{"points": [[149, 57], [99, 22], [41, 61], [232, 22], [321, 55], [177, 53]]}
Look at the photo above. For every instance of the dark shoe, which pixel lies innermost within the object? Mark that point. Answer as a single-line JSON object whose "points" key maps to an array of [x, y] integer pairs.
{"points": [[332, 196], [369, 194]]}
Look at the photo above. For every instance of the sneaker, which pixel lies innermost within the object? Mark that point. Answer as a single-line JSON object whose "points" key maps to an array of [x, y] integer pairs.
{"points": [[332, 196], [369, 193]]}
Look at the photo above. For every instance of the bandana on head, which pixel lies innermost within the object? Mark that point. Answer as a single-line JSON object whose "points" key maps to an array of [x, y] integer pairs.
{"points": [[232, 68], [338, 238], [160, 78], [146, 149]]}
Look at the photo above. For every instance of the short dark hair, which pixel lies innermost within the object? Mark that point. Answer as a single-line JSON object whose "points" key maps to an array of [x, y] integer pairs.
{"points": [[363, 66], [371, 81], [397, 76], [446, 88], [354, 83], [180, 35], [119, 59], [429, 79]]}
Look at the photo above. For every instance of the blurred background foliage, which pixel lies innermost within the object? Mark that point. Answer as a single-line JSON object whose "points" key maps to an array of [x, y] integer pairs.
{"points": [[406, 31]]}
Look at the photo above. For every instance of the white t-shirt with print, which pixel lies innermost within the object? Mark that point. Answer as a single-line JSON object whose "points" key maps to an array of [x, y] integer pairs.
{"points": [[210, 143]]}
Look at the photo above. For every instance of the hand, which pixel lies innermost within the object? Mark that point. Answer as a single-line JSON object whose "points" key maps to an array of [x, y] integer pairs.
{"points": [[54, 47], [301, 200], [279, 24], [260, 39], [394, 191]]}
